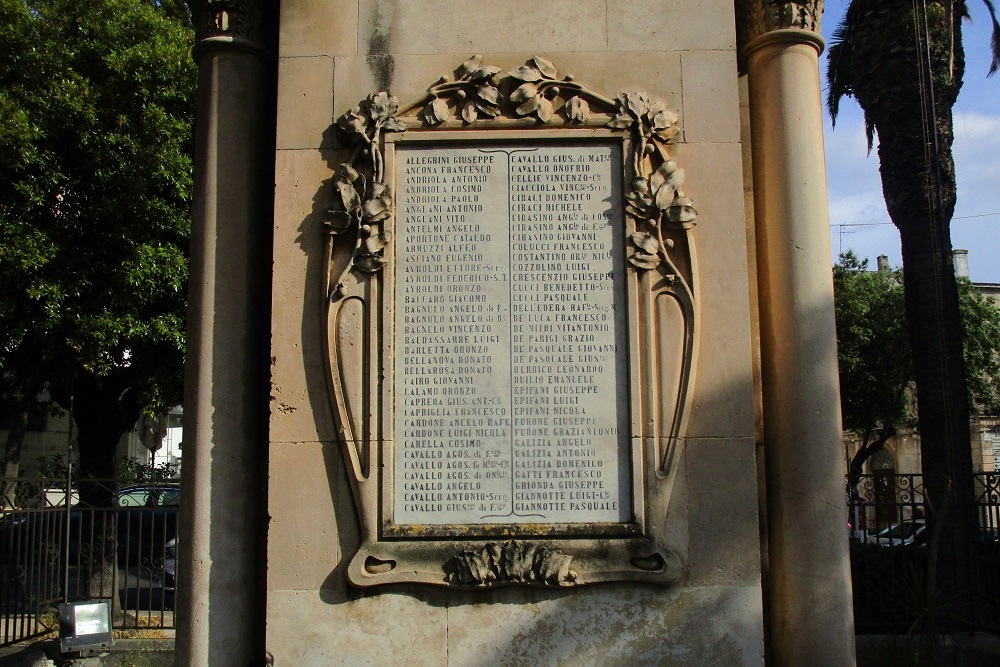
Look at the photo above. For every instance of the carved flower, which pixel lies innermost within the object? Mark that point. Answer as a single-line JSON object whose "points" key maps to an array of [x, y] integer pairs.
{"points": [[353, 126], [382, 108], [362, 122], [651, 118], [662, 121]]}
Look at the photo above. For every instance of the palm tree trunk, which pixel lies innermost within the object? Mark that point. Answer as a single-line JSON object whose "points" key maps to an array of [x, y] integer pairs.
{"points": [[920, 196]]}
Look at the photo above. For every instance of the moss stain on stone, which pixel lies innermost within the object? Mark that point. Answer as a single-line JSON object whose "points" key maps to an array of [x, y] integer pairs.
{"points": [[380, 62]]}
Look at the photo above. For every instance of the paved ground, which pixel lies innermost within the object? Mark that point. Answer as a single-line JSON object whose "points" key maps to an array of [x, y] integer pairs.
{"points": [[124, 653], [979, 650]]}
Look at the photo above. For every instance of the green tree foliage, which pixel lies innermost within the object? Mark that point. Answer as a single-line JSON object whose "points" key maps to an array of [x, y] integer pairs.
{"points": [[96, 112], [876, 364], [981, 335]]}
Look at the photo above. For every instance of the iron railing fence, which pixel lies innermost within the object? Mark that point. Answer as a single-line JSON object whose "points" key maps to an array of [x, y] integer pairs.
{"points": [[889, 544], [116, 542]]}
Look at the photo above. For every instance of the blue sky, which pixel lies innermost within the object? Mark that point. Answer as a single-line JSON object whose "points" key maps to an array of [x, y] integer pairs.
{"points": [[858, 219]]}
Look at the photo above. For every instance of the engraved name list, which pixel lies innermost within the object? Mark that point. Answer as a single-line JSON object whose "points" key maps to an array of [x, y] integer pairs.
{"points": [[511, 360]]}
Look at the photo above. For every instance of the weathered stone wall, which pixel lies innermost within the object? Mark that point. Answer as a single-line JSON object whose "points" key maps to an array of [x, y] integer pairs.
{"points": [[333, 53]]}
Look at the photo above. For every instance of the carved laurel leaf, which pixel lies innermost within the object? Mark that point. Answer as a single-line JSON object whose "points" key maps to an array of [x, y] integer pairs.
{"points": [[337, 222], [621, 122], [376, 242], [641, 185], [469, 112], [668, 133], [639, 203], [546, 67], [489, 94], [348, 173], [646, 242], [394, 125], [682, 211], [577, 109], [370, 263], [544, 109], [644, 260], [664, 197], [676, 178], [529, 106], [484, 73], [437, 111], [469, 66], [637, 102], [348, 195], [524, 93], [488, 109], [660, 117], [555, 566], [659, 177], [377, 209], [511, 562], [526, 73], [353, 125]]}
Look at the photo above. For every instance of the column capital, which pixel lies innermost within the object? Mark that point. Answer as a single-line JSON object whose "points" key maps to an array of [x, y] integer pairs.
{"points": [[756, 18], [231, 24]]}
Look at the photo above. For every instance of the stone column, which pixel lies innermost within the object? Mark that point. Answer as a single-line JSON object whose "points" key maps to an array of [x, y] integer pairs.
{"points": [[221, 570], [809, 577]]}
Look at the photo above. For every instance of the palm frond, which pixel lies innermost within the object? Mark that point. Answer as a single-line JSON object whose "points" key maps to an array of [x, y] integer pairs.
{"points": [[838, 68], [995, 39]]}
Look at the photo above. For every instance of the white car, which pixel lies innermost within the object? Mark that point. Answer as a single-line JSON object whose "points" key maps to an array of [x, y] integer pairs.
{"points": [[907, 532]]}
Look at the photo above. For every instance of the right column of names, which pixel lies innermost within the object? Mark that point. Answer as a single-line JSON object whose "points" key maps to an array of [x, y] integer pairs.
{"points": [[569, 354]]}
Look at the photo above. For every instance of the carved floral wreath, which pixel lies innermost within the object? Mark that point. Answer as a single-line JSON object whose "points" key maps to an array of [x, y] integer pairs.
{"points": [[655, 198]]}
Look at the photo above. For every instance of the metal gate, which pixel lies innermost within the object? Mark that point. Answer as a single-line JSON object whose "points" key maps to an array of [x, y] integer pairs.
{"points": [[120, 549]]}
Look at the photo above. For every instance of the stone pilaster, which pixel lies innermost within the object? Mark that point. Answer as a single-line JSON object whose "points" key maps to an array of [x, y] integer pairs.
{"points": [[808, 579], [221, 594]]}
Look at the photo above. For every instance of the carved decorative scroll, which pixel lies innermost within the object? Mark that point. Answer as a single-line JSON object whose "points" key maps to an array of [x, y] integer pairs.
{"points": [[531, 100]]}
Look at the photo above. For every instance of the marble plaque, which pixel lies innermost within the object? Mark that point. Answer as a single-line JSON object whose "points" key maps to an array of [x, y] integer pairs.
{"points": [[511, 359]]}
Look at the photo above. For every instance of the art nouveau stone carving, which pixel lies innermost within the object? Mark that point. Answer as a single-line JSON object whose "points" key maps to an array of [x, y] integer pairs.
{"points": [[589, 481], [755, 18]]}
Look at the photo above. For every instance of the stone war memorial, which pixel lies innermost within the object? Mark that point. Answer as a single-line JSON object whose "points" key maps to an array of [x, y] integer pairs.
{"points": [[511, 337]]}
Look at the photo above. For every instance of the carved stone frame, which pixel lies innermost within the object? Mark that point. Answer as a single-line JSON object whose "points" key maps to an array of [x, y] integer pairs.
{"points": [[530, 103]]}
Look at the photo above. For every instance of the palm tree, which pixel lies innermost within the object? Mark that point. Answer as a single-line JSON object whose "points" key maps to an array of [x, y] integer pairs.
{"points": [[902, 60]]}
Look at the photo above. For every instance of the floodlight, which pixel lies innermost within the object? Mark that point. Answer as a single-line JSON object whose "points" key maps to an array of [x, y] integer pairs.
{"points": [[85, 626]]}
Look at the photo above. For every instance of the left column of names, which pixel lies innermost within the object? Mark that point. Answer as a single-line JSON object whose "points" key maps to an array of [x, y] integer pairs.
{"points": [[452, 338]]}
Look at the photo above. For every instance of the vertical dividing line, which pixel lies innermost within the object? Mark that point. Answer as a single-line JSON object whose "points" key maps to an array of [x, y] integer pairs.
{"points": [[510, 321]]}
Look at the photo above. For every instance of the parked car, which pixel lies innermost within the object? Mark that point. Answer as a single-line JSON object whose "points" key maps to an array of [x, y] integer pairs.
{"points": [[145, 521], [901, 534], [170, 567]]}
